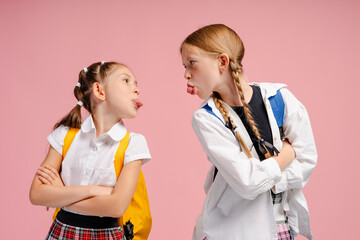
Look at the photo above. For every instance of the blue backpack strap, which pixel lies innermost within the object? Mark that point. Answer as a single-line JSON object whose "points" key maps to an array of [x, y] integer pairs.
{"points": [[278, 107], [209, 110]]}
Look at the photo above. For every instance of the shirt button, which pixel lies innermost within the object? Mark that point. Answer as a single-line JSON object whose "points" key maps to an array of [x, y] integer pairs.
{"points": [[275, 138], [87, 172]]}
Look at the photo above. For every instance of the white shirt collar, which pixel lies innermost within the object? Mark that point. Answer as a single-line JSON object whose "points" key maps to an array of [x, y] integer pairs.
{"points": [[117, 132]]}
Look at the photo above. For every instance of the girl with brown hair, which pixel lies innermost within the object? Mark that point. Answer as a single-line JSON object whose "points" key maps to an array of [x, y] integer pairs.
{"points": [[89, 194], [253, 191]]}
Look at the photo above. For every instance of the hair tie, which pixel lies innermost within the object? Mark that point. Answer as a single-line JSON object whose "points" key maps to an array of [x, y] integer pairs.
{"points": [[102, 62], [80, 103], [77, 84], [85, 70]]}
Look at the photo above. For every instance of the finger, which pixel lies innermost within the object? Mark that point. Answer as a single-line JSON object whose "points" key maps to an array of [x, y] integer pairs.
{"points": [[44, 174], [53, 170], [44, 180], [48, 172]]}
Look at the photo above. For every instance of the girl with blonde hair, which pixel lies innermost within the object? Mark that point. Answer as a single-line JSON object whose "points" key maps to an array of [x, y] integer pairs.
{"points": [[253, 191]]}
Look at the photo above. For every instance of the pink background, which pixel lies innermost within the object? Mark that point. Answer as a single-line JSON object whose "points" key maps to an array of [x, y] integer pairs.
{"points": [[313, 46]]}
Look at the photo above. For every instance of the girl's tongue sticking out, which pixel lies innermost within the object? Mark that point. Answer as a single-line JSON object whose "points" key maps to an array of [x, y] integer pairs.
{"points": [[191, 90], [137, 103]]}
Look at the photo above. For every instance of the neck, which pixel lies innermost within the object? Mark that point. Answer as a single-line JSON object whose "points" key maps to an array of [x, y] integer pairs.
{"points": [[102, 121], [229, 92]]}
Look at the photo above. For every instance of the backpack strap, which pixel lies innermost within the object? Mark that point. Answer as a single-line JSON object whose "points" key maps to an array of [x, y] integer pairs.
{"points": [[278, 107], [120, 154], [228, 124], [209, 110], [69, 138], [136, 221]]}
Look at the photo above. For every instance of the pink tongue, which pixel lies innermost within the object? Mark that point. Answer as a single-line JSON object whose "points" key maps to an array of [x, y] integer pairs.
{"points": [[140, 104], [191, 90]]}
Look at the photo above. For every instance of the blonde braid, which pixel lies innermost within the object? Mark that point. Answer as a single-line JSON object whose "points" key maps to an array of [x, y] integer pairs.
{"points": [[225, 113], [235, 70]]}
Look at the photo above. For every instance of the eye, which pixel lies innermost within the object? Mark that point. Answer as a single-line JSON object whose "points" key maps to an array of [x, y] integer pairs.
{"points": [[126, 80], [191, 62]]}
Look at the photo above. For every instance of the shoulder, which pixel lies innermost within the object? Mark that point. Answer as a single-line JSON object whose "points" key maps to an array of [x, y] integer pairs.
{"points": [[136, 138], [137, 148], [56, 138], [269, 89], [207, 111], [209, 120]]}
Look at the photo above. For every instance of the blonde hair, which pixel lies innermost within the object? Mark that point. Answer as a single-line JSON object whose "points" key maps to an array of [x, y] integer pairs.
{"points": [[219, 39]]}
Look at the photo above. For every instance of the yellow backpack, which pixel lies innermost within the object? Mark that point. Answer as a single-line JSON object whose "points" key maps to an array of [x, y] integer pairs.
{"points": [[136, 220]]}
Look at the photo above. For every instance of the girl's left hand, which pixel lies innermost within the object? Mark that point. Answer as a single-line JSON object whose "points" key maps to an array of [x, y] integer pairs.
{"points": [[49, 175]]}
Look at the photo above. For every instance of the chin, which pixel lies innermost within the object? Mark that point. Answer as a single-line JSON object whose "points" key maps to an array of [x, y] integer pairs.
{"points": [[201, 96], [132, 116]]}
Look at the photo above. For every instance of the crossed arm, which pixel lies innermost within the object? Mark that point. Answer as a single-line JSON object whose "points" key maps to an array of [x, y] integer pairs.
{"points": [[47, 189]]}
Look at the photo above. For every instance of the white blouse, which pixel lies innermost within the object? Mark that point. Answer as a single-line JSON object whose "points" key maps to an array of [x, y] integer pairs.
{"points": [[91, 162]]}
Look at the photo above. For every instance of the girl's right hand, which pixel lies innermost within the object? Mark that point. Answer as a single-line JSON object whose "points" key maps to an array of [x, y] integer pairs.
{"points": [[286, 155], [49, 175]]}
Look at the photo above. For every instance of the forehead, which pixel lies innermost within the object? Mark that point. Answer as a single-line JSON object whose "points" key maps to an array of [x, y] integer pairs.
{"points": [[191, 52], [188, 50], [122, 71]]}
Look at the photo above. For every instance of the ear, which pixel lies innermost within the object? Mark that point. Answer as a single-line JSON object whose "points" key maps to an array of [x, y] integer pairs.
{"points": [[98, 91], [223, 62]]}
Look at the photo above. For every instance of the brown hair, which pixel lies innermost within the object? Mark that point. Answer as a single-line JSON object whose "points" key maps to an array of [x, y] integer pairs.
{"points": [[96, 72], [218, 39]]}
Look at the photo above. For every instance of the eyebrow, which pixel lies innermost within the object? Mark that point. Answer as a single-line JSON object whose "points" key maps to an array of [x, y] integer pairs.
{"points": [[125, 74]]}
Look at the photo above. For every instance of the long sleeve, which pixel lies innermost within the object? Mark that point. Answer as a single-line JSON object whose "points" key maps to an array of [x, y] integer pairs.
{"points": [[297, 129], [248, 177]]}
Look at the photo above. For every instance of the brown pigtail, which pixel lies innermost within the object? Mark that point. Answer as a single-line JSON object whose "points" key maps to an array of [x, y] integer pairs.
{"points": [[225, 113], [236, 69]]}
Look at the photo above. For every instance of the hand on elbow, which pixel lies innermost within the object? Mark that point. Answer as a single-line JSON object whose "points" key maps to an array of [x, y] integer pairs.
{"points": [[286, 155]]}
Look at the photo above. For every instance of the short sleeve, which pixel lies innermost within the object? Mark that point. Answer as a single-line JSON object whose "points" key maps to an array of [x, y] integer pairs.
{"points": [[56, 138], [137, 149]]}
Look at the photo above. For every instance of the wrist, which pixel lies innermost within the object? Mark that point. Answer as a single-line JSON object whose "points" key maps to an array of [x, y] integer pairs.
{"points": [[280, 161], [91, 191]]}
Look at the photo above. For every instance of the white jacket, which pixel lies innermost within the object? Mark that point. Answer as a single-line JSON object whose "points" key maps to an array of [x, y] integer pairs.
{"points": [[238, 204]]}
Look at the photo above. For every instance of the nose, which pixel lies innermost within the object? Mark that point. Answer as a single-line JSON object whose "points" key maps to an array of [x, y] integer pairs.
{"points": [[136, 90], [187, 75]]}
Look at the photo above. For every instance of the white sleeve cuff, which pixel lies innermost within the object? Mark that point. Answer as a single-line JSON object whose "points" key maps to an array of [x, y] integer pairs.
{"points": [[273, 170]]}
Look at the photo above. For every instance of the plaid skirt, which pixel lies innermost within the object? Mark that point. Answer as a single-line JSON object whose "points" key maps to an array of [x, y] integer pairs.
{"points": [[63, 231], [282, 223]]}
